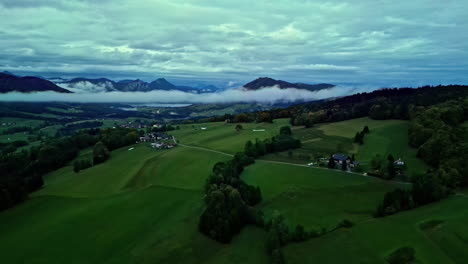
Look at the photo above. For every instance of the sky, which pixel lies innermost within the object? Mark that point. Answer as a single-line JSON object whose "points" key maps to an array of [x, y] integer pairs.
{"points": [[228, 43]]}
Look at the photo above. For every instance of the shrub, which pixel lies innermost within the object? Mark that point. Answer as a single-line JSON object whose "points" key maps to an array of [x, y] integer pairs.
{"points": [[403, 255]]}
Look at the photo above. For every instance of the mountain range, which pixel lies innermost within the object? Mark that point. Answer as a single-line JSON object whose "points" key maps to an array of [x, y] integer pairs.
{"points": [[106, 85], [10, 82]]}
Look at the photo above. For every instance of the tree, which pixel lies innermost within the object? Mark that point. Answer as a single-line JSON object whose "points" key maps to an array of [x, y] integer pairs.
{"points": [[79, 165], [260, 148], [299, 234], [264, 117], [241, 118], [344, 165], [285, 130], [249, 149], [366, 130], [376, 162], [100, 153], [331, 163]]}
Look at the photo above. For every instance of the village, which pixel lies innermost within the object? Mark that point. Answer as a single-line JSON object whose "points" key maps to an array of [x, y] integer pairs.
{"points": [[159, 140]]}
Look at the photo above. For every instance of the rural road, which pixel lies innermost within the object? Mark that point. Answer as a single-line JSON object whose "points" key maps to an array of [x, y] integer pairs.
{"points": [[287, 163]]}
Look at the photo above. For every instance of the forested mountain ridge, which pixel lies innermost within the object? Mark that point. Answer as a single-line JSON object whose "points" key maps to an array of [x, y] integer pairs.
{"points": [[269, 82], [27, 84]]}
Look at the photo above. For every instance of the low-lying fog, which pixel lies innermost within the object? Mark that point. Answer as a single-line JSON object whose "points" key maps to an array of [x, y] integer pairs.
{"points": [[264, 95]]}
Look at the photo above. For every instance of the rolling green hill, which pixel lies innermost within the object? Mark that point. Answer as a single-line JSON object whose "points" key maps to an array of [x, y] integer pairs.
{"points": [[143, 205]]}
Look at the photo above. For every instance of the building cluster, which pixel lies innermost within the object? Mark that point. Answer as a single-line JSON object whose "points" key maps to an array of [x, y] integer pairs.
{"points": [[159, 140], [155, 136], [342, 158]]}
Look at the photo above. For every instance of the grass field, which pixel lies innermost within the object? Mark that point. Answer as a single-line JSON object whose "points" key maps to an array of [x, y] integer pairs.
{"points": [[224, 137], [315, 197], [143, 205], [372, 241]]}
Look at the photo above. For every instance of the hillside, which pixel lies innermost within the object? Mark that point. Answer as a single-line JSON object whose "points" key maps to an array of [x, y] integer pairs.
{"points": [[28, 84], [154, 203]]}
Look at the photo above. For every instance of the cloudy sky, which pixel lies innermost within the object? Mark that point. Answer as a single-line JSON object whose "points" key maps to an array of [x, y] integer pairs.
{"points": [[386, 43]]}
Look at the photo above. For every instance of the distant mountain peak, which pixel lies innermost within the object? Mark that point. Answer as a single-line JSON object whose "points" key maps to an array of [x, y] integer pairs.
{"points": [[270, 82], [27, 84]]}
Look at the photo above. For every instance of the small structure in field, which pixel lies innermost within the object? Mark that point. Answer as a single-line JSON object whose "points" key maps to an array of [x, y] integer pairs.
{"points": [[162, 145], [399, 163], [258, 130]]}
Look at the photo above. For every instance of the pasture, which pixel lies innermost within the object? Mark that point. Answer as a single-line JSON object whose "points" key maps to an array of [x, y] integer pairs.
{"points": [[143, 205]]}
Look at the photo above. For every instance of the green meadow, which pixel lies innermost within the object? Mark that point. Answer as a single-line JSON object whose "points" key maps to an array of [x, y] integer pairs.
{"points": [[143, 205]]}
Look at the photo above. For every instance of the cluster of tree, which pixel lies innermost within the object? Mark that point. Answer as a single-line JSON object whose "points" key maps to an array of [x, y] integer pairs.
{"points": [[6, 148], [163, 128], [82, 164], [229, 200], [359, 137], [284, 141], [441, 141], [383, 168], [279, 234], [22, 171], [100, 153], [71, 128], [114, 138], [425, 189]]}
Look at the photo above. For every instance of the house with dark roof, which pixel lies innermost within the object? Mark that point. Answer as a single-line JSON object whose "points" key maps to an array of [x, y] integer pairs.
{"points": [[340, 157]]}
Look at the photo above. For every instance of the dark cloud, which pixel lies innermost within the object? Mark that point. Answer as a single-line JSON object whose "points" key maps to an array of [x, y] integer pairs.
{"points": [[384, 42]]}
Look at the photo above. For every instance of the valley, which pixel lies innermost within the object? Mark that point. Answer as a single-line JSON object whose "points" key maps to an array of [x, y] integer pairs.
{"points": [[143, 205]]}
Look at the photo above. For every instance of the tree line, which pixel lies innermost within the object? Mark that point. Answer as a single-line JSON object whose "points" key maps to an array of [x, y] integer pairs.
{"points": [[22, 171], [441, 141], [388, 103], [229, 200]]}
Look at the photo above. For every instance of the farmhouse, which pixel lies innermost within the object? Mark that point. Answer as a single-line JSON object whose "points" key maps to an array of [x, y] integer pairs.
{"points": [[340, 158]]}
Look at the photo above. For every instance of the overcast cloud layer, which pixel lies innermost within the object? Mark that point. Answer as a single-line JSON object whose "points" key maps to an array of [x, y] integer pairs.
{"points": [[389, 43]]}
